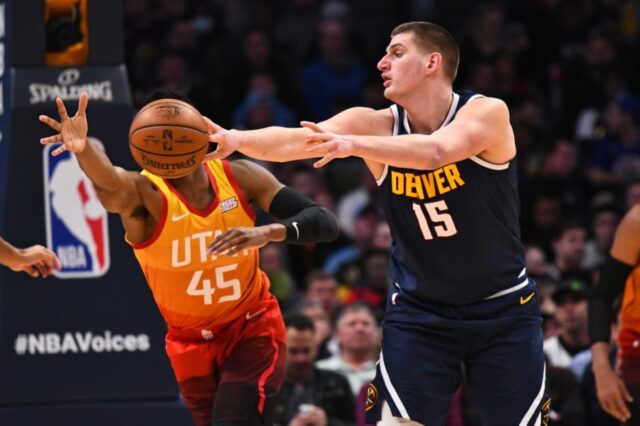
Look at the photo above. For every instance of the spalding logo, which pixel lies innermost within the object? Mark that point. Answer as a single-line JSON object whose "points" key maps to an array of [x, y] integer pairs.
{"points": [[168, 111]]}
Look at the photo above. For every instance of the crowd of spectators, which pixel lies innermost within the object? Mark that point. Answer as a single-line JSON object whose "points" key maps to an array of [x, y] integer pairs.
{"points": [[569, 73]]}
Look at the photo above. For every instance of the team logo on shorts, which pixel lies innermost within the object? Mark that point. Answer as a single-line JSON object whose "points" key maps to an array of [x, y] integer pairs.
{"points": [[372, 397], [76, 221]]}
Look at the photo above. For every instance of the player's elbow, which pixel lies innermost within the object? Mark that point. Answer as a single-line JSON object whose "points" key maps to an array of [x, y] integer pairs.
{"points": [[327, 225]]}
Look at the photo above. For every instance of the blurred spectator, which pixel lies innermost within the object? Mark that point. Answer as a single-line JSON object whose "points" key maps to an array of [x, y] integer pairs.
{"points": [[567, 404], [261, 107], [632, 194], [382, 237], [374, 284], [326, 344], [310, 396], [604, 222], [568, 244], [617, 154], [282, 285], [571, 313], [335, 79], [322, 287], [358, 338]]}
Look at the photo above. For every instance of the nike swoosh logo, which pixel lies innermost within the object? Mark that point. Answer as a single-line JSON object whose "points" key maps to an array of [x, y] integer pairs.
{"points": [[295, 225], [176, 218], [249, 315], [524, 300]]}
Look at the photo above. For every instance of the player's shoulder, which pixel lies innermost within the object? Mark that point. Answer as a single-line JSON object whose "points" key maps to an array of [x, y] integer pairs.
{"points": [[633, 217]]}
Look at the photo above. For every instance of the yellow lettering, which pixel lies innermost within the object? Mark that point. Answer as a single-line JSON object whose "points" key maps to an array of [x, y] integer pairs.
{"points": [[453, 176], [440, 181], [429, 186], [397, 183], [414, 188]]}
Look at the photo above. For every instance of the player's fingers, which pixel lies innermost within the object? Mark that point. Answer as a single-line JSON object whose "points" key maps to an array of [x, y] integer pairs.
{"points": [[82, 103], [230, 247], [211, 126], [317, 137], [221, 240], [311, 126], [321, 147], [62, 110], [51, 139], [625, 392], [54, 124], [219, 154], [59, 150], [41, 268], [31, 271], [324, 160], [55, 262]]}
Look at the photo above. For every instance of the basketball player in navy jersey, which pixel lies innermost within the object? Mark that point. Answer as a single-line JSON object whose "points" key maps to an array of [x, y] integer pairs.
{"points": [[460, 297]]}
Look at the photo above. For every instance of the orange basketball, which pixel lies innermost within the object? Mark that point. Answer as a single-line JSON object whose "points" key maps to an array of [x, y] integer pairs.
{"points": [[168, 138]]}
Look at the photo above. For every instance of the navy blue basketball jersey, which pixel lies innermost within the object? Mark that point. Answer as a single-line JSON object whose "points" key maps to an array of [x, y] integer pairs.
{"points": [[456, 229]]}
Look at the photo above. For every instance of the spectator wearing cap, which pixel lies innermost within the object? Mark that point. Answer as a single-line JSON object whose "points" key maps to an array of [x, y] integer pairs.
{"points": [[571, 315], [617, 155]]}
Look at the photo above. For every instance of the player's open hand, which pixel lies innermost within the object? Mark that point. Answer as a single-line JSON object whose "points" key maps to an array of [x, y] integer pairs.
{"points": [[612, 393], [237, 239], [72, 131], [326, 144], [227, 141], [35, 260]]}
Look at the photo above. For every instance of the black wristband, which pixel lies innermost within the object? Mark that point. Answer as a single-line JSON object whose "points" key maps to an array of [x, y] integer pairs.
{"points": [[613, 277], [304, 220]]}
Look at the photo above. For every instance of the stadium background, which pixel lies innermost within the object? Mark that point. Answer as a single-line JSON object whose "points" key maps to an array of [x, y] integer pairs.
{"points": [[568, 70]]}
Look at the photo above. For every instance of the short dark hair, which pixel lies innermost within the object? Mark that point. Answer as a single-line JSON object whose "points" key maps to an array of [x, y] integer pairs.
{"points": [[317, 275], [432, 37], [166, 94], [299, 322], [567, 224]]}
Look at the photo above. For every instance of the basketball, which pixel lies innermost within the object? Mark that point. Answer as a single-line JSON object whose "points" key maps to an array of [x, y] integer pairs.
{"points": [[168, 138]]}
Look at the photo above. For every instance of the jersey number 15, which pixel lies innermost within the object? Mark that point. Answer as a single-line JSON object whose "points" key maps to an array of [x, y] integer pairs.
{"points": [[436, 218]]}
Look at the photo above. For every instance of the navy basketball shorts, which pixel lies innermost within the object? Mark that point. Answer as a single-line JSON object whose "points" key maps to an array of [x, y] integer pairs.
{"points": [[425, 347]]}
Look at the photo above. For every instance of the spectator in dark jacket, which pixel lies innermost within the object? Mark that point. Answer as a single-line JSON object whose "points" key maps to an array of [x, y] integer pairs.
{"points": [[310, 396]]}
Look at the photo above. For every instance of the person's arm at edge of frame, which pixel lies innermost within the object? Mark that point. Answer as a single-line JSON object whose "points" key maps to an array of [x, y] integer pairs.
{"points": [[301, 220], [33, 260], [481, 127], [624, 255]]}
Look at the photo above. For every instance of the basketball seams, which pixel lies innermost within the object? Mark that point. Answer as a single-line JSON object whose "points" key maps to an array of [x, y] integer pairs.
{"points": [[183, 126]]}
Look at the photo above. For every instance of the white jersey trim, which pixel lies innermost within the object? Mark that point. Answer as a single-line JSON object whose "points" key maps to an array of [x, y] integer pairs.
{"points": [[487, 164], [392, 391], [536, 402]]}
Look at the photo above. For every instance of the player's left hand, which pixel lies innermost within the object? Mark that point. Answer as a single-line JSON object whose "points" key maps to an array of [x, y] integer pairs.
{"points": [[35, 260], [237, 239], [227, 140], [327, 144]]}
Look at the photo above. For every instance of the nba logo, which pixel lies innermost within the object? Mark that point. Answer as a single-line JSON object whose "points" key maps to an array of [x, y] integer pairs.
{"points": [[76, 221]]}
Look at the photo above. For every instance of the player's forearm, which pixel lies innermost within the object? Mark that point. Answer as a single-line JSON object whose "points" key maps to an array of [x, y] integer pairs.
{"points": [[410, 151], [600, 352], [98, 168], [273, 143], [8, 253]]}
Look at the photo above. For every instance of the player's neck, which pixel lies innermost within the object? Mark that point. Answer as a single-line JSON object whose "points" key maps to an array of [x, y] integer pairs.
{"points": [[195, 188], [428, 109]]}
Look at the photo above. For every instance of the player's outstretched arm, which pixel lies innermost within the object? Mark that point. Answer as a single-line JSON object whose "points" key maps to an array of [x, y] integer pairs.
{"points": [[301, 220], [35, 260], [286, 144], [480, 128], [625, 255], [116, 187]]}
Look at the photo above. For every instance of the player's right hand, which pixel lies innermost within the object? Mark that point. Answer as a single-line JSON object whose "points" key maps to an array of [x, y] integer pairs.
{"points": [[612, 393], [227, 140], [72, 130], [35, 260]]}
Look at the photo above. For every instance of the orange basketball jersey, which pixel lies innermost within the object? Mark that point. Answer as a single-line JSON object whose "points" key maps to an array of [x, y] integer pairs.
{"points": [[629, 337], [194, 289]]}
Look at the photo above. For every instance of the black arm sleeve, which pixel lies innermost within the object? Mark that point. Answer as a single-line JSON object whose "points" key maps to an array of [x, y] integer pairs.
{"points": [[305, 220], [613, 277]]}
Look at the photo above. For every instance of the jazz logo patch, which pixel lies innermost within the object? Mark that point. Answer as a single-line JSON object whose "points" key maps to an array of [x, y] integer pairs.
{"points": [[77, 228], [229, 204]]}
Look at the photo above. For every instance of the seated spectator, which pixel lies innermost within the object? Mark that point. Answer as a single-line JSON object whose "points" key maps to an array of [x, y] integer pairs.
{"points": [[373, 286], [358, 338], [323, 288], [310, 396], [568, 245], [571, 314], [604, 223], [313, 309]]}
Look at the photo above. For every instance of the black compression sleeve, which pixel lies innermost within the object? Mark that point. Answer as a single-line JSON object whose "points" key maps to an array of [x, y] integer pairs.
{"points": [[613, 276], [305, 220]]}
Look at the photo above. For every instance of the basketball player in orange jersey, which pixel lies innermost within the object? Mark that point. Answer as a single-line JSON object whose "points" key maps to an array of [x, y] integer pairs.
{"points": [[619, 395], [35, 260], [196, 243]]}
